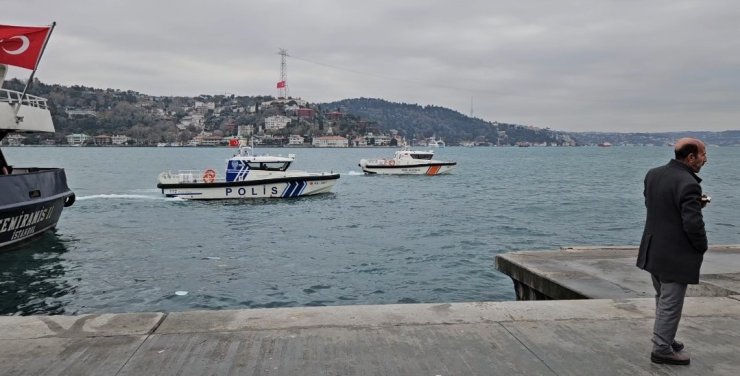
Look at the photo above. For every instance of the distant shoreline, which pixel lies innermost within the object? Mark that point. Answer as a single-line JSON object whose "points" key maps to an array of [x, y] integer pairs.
{"points": [[208, 146]]}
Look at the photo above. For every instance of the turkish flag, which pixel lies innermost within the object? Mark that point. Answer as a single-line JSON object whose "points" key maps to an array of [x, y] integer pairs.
{"points": [[21, 45], [281, 84]]}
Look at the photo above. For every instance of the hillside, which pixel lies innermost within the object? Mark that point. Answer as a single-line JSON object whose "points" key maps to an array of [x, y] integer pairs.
{"points": [[422, 122], [725, 138], [148, 120]]}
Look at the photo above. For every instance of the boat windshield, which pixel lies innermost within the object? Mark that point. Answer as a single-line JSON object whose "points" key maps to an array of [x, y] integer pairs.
{"points": [[269, 166], [422, 156]]}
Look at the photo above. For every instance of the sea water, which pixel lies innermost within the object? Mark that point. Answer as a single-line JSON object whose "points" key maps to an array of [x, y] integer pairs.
{"points": [[123, 247]]}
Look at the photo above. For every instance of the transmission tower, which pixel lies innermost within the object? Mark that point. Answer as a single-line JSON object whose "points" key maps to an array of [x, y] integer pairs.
{"points": [[282, 85]]}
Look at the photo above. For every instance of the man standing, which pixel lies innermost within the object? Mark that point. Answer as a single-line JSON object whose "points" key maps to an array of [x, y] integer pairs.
{"points": [[674, 241]]}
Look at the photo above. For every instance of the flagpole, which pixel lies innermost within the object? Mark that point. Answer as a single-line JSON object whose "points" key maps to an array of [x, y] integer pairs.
{"points": [[35, 66]]}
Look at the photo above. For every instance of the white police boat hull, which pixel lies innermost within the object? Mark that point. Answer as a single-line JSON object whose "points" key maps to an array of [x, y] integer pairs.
{"points": [[247, 176], [175, 185]]}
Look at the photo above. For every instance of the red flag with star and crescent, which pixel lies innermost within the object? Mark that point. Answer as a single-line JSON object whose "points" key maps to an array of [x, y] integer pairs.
{"points": [[21, 46]]}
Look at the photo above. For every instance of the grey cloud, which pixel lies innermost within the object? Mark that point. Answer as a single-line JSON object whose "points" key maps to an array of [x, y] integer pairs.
{"points": [[569, 65]]}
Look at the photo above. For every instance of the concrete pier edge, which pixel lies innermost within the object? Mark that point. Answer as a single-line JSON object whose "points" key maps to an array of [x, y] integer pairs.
{"points": [[606, 336]]}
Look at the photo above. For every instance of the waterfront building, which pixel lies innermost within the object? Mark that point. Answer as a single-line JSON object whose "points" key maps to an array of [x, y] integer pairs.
{"points": [[379, 140], [330, 142], [119, 139], [207, 139], [371, 139], [295, 140], [102, 140], [14, 139], [77, 139]]}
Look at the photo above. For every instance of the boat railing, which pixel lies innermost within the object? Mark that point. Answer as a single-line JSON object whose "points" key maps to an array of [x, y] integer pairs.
{"points": [[13, 97], [195, 176], [382, 161]]}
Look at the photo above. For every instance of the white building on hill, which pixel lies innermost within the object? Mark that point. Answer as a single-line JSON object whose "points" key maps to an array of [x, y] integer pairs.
{"points": [[276, 122]]}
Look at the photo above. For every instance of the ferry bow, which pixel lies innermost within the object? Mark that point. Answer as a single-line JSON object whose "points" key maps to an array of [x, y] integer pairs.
{"points": [[32, 198]]}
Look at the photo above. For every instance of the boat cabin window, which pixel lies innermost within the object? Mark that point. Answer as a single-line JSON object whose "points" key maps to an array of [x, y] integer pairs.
{"points": [[268, 166], [422, 156]]}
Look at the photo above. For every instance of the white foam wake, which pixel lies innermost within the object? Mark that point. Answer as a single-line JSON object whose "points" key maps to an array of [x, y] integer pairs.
{"points": [[146, 190], [118, 197], [355, 173]]}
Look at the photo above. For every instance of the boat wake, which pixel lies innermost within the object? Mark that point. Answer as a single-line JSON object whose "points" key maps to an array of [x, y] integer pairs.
{"points": [[114, 196], [355, 173], [145, 190]]}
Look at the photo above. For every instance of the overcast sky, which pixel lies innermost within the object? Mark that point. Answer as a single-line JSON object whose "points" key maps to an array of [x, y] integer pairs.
{"points": [[627, 66]]}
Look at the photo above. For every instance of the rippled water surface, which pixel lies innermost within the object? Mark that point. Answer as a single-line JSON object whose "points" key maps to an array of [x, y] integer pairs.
{"points": [[123, 247]]}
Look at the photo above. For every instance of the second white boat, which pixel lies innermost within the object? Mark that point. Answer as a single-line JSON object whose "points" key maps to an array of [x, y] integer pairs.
{"points": [[407, 162]]}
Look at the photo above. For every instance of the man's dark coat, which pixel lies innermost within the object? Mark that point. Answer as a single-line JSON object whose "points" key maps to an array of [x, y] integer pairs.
{"points": [[674, 240]]}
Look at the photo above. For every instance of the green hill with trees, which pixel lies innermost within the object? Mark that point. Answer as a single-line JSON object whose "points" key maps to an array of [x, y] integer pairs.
{"points": [[149, 120], [422, 122]]}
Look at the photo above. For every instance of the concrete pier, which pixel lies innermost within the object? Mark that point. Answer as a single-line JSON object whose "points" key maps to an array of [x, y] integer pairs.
{"points": [[576, 337], [606, 332], [609, 273]]}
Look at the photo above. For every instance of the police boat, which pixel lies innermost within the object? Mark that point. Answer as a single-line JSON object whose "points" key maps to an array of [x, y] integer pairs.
{"points": [[247, 176], [407, 162]]}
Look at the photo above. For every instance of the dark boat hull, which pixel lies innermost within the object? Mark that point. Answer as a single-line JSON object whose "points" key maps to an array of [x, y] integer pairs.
{"points": [[31, 203]]}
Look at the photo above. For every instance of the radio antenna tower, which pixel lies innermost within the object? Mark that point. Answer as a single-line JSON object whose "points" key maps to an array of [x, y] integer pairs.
{"points": [[282, 85]]}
